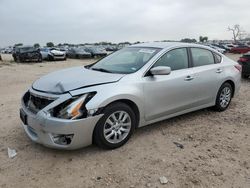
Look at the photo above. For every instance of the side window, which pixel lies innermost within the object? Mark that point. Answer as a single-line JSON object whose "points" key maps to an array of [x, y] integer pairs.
{"points": [[217, 58], [202, 57], [175, 59]]}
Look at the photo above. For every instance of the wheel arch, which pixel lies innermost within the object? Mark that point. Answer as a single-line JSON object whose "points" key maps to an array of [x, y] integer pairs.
{"points": [[126, 101], [131, 104], [232, 84]]}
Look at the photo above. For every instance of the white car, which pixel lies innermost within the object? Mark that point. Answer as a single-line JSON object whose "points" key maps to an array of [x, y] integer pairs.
{"points": [[230, 46], [52, 54]]}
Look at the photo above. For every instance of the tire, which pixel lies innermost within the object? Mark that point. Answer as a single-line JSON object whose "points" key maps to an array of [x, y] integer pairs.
{"points": [[40, 58], [224, 97], [18, 59], [120, 132], [50, 58]]}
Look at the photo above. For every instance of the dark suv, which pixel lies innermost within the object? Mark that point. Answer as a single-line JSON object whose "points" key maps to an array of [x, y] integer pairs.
{"points": [[245, 63], [26, 53]]}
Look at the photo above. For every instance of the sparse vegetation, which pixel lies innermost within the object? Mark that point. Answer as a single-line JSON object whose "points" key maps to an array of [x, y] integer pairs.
{"points": [[18, 44], [203, 39], [37, 45], [187, 40], [237, 31], [50, 44]]}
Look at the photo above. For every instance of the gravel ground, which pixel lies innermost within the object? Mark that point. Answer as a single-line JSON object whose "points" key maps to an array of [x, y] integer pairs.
{"points": [[215, 153]]}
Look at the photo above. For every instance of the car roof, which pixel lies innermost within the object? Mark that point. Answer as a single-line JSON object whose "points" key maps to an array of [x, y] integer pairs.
{"points": [[166, 45], [26, 46]]}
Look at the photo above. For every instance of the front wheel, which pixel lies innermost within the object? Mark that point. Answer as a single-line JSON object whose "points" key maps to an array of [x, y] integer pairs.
{"points": [[18, 59], [224, 97], [50, 58], [40, 58], [115, 127]]}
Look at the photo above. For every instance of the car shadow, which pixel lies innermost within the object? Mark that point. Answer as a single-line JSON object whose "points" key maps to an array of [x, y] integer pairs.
{"points": [[174, 121], [94, 150]]}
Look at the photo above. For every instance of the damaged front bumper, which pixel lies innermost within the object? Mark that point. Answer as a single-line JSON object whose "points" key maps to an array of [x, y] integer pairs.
{"points": [[57, 133]]}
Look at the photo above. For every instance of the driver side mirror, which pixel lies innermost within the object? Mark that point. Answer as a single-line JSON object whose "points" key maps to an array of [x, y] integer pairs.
{"points": [[160, 70]]}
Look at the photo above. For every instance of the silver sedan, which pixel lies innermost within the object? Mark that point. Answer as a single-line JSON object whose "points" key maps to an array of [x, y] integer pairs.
{"points": [[103, 103]]}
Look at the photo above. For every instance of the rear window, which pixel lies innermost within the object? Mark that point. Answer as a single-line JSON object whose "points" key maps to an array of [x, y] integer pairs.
{"points": [[217, 58], [202, 57]]}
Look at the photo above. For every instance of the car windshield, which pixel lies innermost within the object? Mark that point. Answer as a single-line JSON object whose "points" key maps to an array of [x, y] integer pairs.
{"points": [[27, 49], [44, 49], [79, 50], [125, 61]]}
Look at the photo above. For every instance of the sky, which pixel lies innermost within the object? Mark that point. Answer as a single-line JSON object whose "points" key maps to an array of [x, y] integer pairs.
{"points": [[81, 21]]}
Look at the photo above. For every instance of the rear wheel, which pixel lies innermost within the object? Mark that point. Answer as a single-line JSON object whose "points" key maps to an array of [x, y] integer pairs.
{"points": [[18, 59], [116, 126], [224, 97]]}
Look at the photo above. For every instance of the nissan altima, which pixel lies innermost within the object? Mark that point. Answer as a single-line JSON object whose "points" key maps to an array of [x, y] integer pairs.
{"points": [[105, 102]]}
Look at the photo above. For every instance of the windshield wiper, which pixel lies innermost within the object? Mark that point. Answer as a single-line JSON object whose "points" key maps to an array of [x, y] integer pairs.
{"points": [[101, 70]]}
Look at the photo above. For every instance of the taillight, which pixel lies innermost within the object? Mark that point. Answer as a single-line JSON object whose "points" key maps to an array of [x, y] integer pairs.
{"points": [[238, 67], [243, 60]]}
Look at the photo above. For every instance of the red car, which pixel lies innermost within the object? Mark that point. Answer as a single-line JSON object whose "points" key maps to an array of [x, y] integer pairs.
{"points": [[240, 50], [244, 61]]}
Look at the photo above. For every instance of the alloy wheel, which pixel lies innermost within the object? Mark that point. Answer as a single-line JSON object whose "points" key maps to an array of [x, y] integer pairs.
{"points": [[117, 127], [225, 97]]}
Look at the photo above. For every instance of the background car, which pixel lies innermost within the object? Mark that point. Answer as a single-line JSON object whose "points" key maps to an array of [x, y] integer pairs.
{"points": [[8, 50], [240, 49], [52, 54], [78, 53], [221, 50], [111, 48], [26, 53], [96, 52], [230, 46], [222, 47], [244, 61]]}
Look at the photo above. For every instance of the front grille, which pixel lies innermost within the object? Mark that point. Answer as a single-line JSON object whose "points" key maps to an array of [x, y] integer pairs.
{"points": [[35, 103], [57, 55]]}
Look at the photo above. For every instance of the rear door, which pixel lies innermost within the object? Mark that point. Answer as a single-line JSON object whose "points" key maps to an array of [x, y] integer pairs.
{"points": [[208, 73]]}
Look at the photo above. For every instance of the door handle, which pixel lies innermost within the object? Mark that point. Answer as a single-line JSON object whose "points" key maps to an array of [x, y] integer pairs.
{"points": [[219, 71], [189, 78]]}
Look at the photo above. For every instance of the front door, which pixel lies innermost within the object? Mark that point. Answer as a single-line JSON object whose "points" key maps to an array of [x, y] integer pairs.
{"points": [[167, 94]]}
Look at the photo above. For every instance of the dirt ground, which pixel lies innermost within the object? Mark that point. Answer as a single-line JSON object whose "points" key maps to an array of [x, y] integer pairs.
{"points": [[216, 149]]}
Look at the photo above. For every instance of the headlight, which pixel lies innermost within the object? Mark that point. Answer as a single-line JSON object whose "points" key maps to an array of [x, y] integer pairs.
{"points": [[73, 108]]}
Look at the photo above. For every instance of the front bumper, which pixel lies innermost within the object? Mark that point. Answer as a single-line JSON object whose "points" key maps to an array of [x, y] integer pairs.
{"points": [[41, 128], [59, 57]]}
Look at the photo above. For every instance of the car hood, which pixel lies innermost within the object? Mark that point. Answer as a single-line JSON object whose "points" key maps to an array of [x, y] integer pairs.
{"points": [[73, 78], [57, 52]]}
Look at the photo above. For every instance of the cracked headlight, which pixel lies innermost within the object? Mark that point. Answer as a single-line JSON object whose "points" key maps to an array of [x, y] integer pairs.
{"points": [[73, 108]]}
